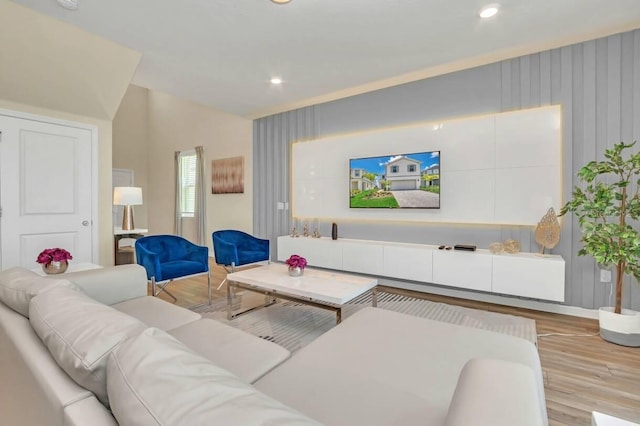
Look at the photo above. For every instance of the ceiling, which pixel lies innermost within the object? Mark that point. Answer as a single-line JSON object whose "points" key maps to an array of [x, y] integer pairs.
{"points": [[222, 53]]}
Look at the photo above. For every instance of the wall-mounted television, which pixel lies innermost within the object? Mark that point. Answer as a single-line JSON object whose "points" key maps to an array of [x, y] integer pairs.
{"points": [[404, 181]]}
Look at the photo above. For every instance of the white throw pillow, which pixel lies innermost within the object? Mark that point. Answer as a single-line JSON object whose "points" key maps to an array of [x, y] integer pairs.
{"points": [[19, 285], [155, 379], [80, 333]]}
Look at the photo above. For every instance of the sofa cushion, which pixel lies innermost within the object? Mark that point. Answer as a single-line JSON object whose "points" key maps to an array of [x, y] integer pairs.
{"points": [[19, 285], [80, 333], [384, 357], [495, 392], [245, 355], [156, 312], [154, 379]]}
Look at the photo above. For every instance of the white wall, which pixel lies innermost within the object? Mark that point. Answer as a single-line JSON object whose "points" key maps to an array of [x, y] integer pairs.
{"points": [[53, 69], [131, 144], [178, 125], [495, 169]]}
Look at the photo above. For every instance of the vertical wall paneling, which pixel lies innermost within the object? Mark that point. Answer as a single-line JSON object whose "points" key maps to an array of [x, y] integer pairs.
{"points": [[271, 143], [588, 137], [525, 80], [505, 85], [597, 83], [515, 84], [544, 87]]}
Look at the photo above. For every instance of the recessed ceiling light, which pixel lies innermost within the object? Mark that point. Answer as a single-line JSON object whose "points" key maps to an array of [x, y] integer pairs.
{"points": [[69, 4], [276, 80], [488, 11], [281, 1]]}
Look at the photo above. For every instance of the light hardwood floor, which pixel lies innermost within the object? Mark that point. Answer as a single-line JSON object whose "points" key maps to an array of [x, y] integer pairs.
{"points": [[581, 374]]}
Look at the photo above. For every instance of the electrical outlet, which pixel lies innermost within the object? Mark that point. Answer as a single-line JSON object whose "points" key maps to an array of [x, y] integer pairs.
{"points": [[605, 276]]}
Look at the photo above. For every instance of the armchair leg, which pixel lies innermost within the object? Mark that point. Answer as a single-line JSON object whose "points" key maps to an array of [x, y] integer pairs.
{"points": [[209, 285], [156, 288], [233, 269], [221, 284]]}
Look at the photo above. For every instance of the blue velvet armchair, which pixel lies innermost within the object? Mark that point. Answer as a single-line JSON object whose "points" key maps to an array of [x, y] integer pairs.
{"points": [[233, 248], [169, 257]]}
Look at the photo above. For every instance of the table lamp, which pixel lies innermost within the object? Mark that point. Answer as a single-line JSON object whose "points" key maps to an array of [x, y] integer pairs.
{"points": [[127, 196]]}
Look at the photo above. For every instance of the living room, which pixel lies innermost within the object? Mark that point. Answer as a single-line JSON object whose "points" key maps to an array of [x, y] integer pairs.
{"points": [[594, 80]]}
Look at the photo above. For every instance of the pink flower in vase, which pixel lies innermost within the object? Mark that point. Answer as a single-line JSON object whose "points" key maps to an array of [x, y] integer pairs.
{"points": [[296, 261], [54, 255]]}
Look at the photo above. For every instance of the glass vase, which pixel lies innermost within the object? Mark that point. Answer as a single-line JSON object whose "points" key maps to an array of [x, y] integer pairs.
{"points": [[296, 271], [55, 267]]}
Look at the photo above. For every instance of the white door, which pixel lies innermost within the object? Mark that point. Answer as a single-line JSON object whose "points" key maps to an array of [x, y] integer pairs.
{"points": [[45, 191]]}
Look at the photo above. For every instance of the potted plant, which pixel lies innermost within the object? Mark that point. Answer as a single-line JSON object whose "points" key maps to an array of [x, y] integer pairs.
{"points": [[605, 207]]}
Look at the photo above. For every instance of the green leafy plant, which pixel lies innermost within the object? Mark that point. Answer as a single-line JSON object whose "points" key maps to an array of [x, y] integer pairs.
{"points": [[604, 208]]}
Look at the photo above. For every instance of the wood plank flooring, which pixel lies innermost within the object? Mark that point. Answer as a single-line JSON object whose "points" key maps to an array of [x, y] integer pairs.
{"points": [[581, 374]]}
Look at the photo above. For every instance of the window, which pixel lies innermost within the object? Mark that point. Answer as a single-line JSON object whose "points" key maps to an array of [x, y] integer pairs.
{"points": [[411, 168], [394, 169], [187, 183], [357, 173]]}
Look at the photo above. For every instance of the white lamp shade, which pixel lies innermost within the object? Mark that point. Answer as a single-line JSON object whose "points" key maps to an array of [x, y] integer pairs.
{"points": [[127, 196]]}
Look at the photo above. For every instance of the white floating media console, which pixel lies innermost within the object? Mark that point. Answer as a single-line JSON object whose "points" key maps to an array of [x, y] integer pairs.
{"points": [[522, 274]]}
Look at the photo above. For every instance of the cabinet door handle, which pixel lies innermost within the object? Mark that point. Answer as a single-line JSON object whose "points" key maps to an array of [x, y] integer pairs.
{"points": [[85, 223]]}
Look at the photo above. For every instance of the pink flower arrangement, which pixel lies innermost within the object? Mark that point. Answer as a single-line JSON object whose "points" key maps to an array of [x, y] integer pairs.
{"points": [[53, 255], [296, 261]]}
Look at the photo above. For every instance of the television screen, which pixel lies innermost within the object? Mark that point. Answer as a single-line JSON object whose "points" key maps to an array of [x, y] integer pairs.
{"points": [[406, 181]]}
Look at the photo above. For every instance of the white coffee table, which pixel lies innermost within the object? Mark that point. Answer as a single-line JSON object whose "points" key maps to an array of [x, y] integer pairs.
{"points": [[319, 288]]}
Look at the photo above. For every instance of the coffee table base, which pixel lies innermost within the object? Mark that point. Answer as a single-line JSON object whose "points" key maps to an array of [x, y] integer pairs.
{"points": [[278, 295]]}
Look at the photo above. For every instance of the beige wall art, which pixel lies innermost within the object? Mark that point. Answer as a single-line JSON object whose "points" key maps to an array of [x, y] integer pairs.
{"points": [[227, 176]]}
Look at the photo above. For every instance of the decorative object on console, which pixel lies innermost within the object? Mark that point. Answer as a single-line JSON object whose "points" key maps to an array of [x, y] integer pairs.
{"points": [[305, 228], [496, 248], [334, 231], [548, 230], [511, 246], [316, 230], [464, 247], [294, 229], [127, 196], [296, 265], [54, 260], [604, 207]]}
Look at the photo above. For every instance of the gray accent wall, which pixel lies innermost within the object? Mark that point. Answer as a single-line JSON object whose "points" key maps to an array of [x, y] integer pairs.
{"points": [[597, 83]]}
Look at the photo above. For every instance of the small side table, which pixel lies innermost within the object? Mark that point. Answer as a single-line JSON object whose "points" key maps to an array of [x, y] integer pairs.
{"points": [[119, 234]]}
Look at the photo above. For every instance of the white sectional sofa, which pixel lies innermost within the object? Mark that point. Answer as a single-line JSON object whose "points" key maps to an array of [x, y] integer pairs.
{"points": [[94, 349]]}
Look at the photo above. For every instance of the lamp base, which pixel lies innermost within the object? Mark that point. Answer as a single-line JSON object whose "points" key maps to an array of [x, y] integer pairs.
{"points": [[127, 218]]}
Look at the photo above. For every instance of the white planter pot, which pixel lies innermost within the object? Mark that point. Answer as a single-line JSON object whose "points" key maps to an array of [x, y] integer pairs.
{"points": [[622, 329]]}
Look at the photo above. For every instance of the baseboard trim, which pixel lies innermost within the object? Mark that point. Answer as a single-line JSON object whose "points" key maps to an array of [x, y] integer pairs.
{"points": [[535, 305]]}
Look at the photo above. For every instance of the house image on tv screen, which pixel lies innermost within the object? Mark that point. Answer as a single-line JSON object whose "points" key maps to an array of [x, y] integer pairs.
{"points": [[360, 180], [403, 173], [431, 175], [399, 181]]}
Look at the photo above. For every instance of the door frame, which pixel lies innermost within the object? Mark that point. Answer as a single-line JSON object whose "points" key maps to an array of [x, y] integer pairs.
{"points": [[95, 225]]}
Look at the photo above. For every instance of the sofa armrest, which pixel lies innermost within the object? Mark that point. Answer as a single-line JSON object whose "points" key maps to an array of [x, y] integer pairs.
{"points": [[200, 254], [113, 284], [225, 253], [88, 411], [498, 393]]}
